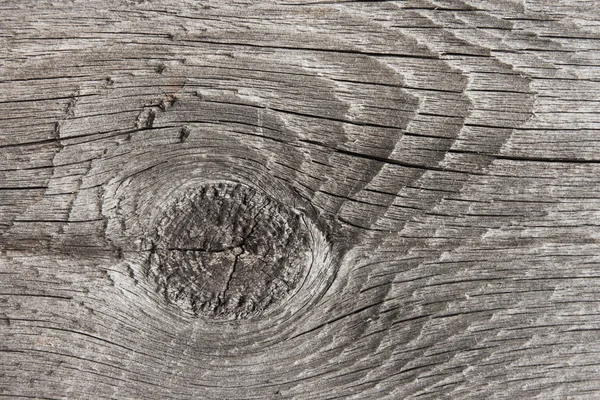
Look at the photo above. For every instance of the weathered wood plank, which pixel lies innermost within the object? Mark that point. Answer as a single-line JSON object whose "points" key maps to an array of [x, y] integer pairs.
{"points": [[443, 156]]}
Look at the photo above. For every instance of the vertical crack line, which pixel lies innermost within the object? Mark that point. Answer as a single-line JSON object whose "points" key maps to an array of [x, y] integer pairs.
{"points": [[238, 251]]}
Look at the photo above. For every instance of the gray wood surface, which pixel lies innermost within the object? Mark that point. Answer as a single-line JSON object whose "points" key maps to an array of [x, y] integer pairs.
{"points": [[299, 199]]}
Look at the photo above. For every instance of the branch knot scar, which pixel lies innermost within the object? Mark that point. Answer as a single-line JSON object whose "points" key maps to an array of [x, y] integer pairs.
{"points": [[225, 250]]}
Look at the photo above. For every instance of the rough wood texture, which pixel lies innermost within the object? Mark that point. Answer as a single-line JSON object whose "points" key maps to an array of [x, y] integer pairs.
{"points": [[429, 172], [224, 250]]}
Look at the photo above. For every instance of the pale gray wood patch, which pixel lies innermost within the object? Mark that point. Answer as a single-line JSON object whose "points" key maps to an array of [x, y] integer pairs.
{"points": [[439, 160]]}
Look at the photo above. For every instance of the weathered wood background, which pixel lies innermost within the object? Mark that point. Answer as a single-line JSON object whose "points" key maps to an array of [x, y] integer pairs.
{"points": [[446, 152]]}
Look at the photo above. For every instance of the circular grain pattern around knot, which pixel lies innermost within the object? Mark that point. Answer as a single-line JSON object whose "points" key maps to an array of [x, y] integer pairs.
{"points": [[225, 250]]}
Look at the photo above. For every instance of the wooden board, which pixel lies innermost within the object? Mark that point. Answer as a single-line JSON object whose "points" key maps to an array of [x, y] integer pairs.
{"points": [[299, 199]]}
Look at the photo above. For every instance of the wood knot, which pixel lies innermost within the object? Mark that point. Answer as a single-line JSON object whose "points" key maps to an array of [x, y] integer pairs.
{"points": [[225, 250]]}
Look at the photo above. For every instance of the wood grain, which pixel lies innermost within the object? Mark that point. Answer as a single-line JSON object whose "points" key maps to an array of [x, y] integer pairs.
{"points": [[430, 172]]}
